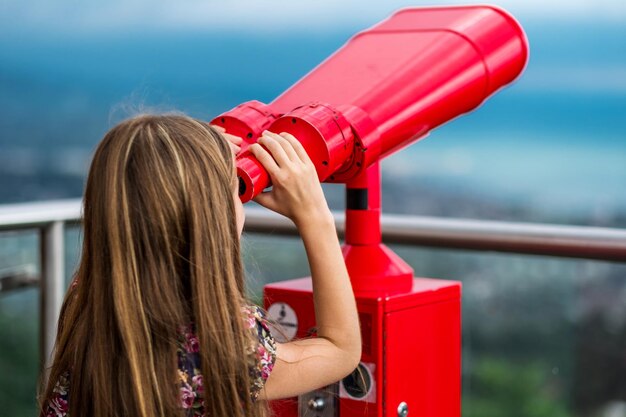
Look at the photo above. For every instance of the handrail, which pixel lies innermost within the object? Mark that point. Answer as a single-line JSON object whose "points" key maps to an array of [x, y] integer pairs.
{"points": [[482, 235], [39, 214], [583, 242]]}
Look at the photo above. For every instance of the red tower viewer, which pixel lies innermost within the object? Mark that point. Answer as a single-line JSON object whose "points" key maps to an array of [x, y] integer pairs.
{"points": [[385, 89]]}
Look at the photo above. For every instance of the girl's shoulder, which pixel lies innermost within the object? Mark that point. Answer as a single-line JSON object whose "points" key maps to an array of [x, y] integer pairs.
{"points": [[261, 356], [263, 353], [256, 319]]}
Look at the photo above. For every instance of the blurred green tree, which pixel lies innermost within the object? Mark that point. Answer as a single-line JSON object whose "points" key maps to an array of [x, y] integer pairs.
{"points": [[501, 388]]}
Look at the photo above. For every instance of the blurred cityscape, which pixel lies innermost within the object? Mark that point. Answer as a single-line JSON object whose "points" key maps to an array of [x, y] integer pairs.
{"points": [[541, 336]]}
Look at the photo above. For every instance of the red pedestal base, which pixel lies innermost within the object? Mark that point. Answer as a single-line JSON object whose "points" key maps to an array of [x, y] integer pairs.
{"points": [[411, 347]]}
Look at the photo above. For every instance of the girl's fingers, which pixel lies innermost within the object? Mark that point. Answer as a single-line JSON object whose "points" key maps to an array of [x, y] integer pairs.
{"points": [[234, 148], [265, 159], [287, 147], [266, 200], [297, 146], [232, 138], [276, 149]]}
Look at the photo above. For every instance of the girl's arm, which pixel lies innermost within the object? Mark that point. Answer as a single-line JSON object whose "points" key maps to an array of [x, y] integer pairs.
{"points": [[307, 364]]}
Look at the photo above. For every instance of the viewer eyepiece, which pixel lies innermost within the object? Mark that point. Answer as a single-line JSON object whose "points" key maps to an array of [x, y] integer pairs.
{"points": [[242, 186]]}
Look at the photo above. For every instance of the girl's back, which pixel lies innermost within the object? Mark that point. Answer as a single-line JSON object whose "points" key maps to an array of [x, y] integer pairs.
{"points": [[156, 321]]}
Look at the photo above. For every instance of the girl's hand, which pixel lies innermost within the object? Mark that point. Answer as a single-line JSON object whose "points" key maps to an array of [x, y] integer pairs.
{"points": [[296, 191], [307, 364], [234, 141]]}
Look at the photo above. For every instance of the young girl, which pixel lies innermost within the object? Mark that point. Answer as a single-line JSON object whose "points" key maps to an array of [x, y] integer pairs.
{"points": [[156, 322]]}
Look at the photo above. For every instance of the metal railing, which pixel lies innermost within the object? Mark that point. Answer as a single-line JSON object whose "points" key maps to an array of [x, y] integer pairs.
{"points": [[51, 217]]}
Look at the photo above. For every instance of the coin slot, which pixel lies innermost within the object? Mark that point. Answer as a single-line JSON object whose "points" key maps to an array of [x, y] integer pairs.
{"points": [[358, 383]]}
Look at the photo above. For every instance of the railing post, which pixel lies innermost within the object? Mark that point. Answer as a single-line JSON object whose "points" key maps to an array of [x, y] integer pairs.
{"points": [[52, 286]]}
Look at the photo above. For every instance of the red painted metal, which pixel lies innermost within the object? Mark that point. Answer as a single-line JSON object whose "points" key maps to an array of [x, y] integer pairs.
{"points": [[385, 89], [248, 120], [411, 345], [394, 83], [371, 265], [323, 131]]}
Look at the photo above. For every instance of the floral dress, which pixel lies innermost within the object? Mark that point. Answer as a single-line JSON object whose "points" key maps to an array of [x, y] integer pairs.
{"points": [[191, 392]]}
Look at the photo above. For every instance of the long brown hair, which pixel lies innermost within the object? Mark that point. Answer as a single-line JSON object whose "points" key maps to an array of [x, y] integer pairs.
{"points": [[160, 249]]}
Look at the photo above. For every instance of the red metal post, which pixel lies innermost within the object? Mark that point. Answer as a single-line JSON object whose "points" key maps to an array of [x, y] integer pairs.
{"points": [[372, 266]]}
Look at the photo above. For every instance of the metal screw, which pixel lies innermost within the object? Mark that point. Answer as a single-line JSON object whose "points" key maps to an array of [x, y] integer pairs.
{"points": [[316, 404], [403, 409]]}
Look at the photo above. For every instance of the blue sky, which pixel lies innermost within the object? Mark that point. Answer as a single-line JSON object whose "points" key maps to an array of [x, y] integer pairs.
{"points": [[77, 16], [74, 18]]}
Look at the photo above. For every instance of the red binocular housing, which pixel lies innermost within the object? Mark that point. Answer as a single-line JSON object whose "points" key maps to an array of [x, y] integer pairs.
{"points": [[387, 87]]}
